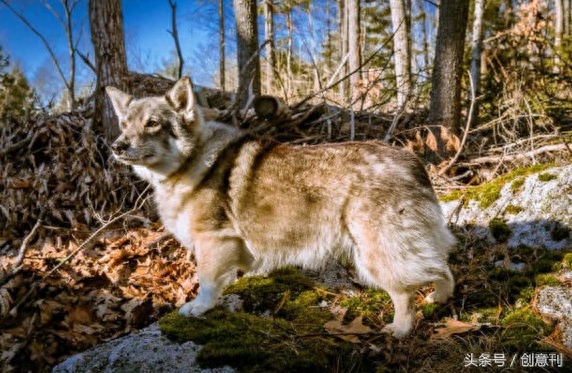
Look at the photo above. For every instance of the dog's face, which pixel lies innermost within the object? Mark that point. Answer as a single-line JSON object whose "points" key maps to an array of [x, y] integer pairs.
{"points": [[156, 132]]}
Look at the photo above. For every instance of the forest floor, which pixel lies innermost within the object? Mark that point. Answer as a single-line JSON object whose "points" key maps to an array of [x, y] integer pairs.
{"points": [[84, 260]]}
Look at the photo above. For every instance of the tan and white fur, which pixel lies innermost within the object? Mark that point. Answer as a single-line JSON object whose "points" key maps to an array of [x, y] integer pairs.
{"points": [[253, 205]]}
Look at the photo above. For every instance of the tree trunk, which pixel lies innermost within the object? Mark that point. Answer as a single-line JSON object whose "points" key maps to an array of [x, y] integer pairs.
{"points": [[247, 47], [343, 28], [289, 51], [476, 50], [106, 24], [221, 46], [269, 31], [558, 33], [445, 107], [424, 36], [401, 50], [354, 60], [175, 33], [68, 9]]}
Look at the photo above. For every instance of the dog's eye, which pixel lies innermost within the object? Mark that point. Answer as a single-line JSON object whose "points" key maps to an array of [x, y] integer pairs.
{"points": [[152, 124]]}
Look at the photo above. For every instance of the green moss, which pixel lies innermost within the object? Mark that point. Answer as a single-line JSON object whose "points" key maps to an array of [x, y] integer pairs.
{"points": [[516, 185], [262, 294], [453, 196], [430, 311], [367, 303], [486, 194], [546, 176], [288, 338], [527, 294], [567, 260], [548, 261], [546, 279], [523, 330], [513, 209], [499, 230]]}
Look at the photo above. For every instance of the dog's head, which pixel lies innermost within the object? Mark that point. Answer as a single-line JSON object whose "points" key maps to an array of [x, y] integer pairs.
{"points": [[156, 132]]}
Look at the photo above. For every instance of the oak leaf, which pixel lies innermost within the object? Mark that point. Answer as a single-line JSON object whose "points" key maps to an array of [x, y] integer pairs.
{"points": [[349, 332], [452, 327]]}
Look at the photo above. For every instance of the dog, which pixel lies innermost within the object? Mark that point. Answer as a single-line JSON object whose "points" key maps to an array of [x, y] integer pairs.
{"points": [[245, 204]]}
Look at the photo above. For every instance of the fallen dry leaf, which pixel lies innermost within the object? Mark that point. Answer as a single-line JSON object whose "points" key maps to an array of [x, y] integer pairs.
{"points": [[452, 327], [349, 332]]}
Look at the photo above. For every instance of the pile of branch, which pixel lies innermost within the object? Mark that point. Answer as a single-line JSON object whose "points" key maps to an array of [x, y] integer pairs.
{"points": [[58, 167]]}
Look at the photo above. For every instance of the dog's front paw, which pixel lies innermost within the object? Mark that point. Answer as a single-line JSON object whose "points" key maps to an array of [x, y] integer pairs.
{"points": [[194, 308]]}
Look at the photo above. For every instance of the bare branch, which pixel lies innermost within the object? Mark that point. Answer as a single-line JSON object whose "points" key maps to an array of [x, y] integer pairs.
{"points": [[22, 252], [42, 38], [175, 35], [87, 61], [88, 243]]}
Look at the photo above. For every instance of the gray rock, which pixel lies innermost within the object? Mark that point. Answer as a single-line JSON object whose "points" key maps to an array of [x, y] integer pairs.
{"points": [[545, 218], [556, 303], [143, 351]]}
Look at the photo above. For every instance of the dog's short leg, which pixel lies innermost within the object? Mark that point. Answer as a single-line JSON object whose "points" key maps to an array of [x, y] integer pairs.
{"points": [[404, 318], [443, 288], [217, 263]]}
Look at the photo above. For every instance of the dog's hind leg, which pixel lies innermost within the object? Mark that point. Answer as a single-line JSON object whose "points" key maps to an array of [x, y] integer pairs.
{"points": [[444, 288]]}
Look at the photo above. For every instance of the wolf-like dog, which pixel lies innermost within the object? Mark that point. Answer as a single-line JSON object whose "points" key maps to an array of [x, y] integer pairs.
{"points": [[244, 204]]}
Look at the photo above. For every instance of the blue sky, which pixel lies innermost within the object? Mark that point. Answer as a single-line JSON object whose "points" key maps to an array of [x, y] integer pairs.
{"points": [[146, 22]]}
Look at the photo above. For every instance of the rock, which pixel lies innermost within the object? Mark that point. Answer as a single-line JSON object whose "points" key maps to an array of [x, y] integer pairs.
{"points": [[532, 210], [556, 303], [536, 209], [143, 351]]}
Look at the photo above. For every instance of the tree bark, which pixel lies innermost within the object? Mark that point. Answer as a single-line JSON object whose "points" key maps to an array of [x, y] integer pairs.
{"points": [[354, 60], [269, 32], [106, 24], [401, 50], [445, 106], [558, 34], [247, 47], [343, 29], [477, 50], [221, 46]]}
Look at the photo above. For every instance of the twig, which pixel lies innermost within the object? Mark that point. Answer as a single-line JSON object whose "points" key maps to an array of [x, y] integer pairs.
{"points": [[42, 38], [16, 146], [520, 156], [87, 61], [22, 252], [332, 85], [466, 132], [24, 246], [88, 243]]}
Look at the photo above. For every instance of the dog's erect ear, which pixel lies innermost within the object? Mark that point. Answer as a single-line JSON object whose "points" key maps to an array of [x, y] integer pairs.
{"points": [[119, 99], [182, 98]]}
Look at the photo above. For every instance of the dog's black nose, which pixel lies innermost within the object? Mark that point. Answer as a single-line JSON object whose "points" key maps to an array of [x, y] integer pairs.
{"points": [[119, 147]]}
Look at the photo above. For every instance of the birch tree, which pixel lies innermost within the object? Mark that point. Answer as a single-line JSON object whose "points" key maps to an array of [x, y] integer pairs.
{"points": [[476, 49], [354, 50], [221, 46], [270, 53], [401, 50]]}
